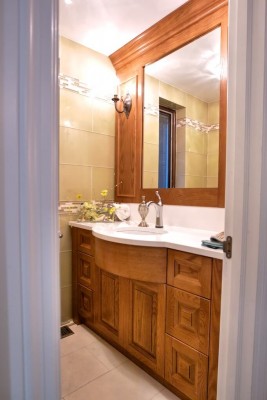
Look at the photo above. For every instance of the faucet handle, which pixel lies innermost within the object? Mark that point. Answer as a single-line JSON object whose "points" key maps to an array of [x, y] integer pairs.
{"points": [[158, 196]]}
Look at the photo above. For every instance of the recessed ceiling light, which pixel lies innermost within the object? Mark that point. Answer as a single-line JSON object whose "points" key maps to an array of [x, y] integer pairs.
{"points": [[68, 2]]}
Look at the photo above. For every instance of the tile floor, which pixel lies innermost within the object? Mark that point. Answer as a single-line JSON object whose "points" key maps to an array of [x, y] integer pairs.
{"points": [[91, 369]]}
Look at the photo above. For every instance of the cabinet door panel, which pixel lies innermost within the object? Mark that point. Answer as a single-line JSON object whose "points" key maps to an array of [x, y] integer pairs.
{"points": [[85, 270], [146, 324], [85, 241], [186, 369], [85, 303], [188, 318], [190, 272], [108, 320]]}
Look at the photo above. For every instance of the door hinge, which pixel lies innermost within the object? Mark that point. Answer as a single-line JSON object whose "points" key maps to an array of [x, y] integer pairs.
{"points": [[227, 246]]}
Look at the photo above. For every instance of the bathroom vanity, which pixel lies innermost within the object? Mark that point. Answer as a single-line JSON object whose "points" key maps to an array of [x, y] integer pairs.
{"points": [[155, 302]]}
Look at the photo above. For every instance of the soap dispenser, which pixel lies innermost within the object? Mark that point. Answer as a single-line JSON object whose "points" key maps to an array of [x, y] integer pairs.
{"points": [[143, 211]]}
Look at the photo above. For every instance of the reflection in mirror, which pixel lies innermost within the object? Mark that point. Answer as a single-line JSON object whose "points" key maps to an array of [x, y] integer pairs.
{"points": [[181, 117]]}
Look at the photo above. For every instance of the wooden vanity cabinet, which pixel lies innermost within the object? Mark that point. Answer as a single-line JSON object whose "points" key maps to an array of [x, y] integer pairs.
{"points": [[192, 324], [130, 301], [159, 307], [83, 276]]}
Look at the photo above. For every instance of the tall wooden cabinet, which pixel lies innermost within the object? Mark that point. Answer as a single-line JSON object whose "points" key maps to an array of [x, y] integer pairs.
{"points": [[159, 307]]}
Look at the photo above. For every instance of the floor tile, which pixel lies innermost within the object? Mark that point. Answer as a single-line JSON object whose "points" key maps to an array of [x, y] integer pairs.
{"points": [[81, 338], [105, 353], [125, 382], [79, 368], [165, 395]]}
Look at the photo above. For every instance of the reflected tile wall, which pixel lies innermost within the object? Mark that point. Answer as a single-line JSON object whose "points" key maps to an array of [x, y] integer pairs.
{"points": [[87, 140], [197, 136]]}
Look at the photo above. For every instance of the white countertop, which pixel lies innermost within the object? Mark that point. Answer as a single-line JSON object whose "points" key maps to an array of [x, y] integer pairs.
{"points": [[174, 237]]}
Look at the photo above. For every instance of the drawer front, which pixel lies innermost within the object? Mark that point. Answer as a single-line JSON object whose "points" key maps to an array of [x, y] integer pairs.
{"points": [[188, 318], [186, 369], [85, 303], [190, 272], [86, 270], [85, 241]]}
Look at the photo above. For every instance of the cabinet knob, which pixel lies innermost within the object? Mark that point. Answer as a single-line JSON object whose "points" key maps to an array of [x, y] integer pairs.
{"points": [[60, 235]]}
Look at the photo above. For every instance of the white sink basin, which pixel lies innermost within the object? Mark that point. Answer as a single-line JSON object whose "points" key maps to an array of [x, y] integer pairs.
{"points": [[139, 230]]}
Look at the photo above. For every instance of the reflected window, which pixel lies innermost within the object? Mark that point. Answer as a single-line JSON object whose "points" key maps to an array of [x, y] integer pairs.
{"points": [[166, 144]]}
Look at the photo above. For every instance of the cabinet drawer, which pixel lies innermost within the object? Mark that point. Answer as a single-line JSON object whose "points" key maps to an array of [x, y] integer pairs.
{"points": [[86, 270], [190, 272], [85, 241], [186, 369], [85, 303], [188, 318]]}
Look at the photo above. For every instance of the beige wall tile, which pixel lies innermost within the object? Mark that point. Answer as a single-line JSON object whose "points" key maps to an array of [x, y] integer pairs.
{"points": [[151, 157], [172, 94], [150, 179], [213, 113], [75, 110], [151, 95], [65, 268], [102, 178], [100, 150], [86, 148], [195, 182], [66, 303], [180, 163], [180, 181], [196, 164], [74, 179], [212, 164], [180, 139], [181, 113], [72, 149], [196, 109], [212, 182], [195, 141], [89, 66], [213, 142], [103, 117], [65, 241], [151, 129]]}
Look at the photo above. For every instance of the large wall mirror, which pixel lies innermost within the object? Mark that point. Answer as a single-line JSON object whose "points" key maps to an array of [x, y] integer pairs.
{"points": [[181, 116], [175, 137]]}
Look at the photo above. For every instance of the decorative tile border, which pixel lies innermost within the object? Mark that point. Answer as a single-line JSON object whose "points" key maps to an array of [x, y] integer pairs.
{"points": [[69, 207], [75, 85], [197, 125], [151, 109]]}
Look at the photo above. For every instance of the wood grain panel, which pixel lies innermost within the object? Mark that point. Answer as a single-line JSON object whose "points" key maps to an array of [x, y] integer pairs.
{"points": [[215, 328], [146, 324], [86, 303], [188, 318], [189, 272], [126, 158], [163, 37], [133, 262], [84, 241], [109, 300], [186, 369], [86, 270]]}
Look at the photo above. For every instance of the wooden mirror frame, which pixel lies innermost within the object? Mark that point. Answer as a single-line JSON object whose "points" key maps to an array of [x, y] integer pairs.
{"points": [[190, 21]]}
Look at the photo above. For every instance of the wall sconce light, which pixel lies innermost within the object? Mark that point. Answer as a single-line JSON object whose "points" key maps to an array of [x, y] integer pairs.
{"points": [[127, 104]]}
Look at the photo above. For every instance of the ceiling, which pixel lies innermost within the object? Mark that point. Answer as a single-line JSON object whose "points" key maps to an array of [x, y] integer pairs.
{"points": [[106, 25]]}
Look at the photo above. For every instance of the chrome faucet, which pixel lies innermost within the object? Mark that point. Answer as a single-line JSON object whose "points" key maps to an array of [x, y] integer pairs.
{"points": [[159, 211]]}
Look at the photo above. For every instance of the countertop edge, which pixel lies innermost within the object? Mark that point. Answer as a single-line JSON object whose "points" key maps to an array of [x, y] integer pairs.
{"points": [[160, 241]]}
